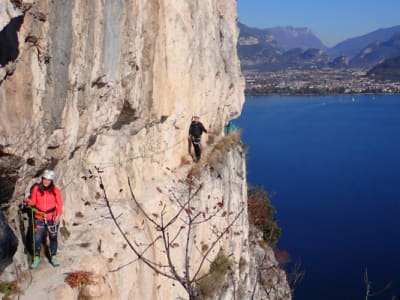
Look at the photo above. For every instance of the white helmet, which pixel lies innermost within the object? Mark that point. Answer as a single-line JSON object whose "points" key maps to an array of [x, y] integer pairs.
{"points": [[196, 116], [49, 174]]}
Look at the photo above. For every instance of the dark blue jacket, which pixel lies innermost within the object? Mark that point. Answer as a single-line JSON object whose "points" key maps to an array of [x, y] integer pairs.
{"points": [[196, 129]]}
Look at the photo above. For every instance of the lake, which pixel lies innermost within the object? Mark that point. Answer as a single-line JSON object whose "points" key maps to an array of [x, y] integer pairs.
{"points": [[332, 167]]}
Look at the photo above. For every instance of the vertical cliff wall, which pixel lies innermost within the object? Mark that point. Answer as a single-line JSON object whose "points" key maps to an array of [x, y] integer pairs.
{"points": [[113, 85]]}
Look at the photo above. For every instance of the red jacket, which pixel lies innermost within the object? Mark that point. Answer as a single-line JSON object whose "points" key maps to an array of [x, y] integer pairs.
{"points": [[46, 202]]}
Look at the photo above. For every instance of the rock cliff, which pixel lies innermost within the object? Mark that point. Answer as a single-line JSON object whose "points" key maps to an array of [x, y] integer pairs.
{"points": [[112, 86]]}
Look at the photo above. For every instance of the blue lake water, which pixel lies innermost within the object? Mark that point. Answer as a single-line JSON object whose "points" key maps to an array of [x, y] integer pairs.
{"points": [[332, 166]]}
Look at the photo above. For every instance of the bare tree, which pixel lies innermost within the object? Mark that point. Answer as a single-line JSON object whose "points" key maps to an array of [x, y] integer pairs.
{"points": [[295, 276], [270, 278], [185, 221], [368, 286]]}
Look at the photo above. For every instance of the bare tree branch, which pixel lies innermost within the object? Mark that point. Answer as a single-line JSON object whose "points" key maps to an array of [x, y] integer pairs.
{"points": [[140, 207], [131, 246], [368, 284], [168, 236], [215, 243], [295, 276]]}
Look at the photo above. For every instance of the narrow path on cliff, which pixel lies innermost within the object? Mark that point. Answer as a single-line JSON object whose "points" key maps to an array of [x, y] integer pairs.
{"points": [[49, 282], [45, 280]]}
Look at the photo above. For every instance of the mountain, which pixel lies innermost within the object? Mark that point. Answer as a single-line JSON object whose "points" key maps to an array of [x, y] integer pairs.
{"points": [[287, 37], [262, 49], [302, 59], [339, 62], [388, 70], [377, 52], [297, 58], [352, 47], [256, 47]]}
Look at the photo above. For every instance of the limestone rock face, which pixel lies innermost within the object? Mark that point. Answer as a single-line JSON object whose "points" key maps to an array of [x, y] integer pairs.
{"points": [[115, 84], [8, 11], [111, 86]]}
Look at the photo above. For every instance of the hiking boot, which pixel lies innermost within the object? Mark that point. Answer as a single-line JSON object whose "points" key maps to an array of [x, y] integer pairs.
{"points": [[54, 261], [35, 262]]}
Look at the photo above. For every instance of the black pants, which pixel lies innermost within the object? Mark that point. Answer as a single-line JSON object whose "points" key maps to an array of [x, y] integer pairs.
{"points": [[197, 147]]}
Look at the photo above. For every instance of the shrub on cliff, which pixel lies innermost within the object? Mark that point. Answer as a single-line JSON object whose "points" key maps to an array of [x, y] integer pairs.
{"points": [[8, 289], [261, 214]]}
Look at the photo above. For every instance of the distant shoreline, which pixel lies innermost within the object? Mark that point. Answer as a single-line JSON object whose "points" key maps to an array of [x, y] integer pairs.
{"points": [[320, 94], [317, 82]]}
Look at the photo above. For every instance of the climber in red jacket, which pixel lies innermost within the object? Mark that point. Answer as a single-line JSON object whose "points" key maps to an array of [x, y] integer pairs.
{"points": [[46, 201]]}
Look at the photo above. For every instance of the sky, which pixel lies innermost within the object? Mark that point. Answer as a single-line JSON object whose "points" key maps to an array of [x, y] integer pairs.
{"points": [[331, 20]]}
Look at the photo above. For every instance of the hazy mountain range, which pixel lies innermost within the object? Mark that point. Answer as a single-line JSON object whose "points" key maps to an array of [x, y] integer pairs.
{"points": [[280, 48]]}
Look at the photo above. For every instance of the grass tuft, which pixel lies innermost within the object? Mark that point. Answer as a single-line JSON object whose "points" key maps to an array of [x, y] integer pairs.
{"points": [[214, 280], [216, 156]]}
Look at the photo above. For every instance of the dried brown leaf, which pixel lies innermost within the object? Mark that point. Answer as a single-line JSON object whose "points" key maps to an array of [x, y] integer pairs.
{"points": [[79, 278]]}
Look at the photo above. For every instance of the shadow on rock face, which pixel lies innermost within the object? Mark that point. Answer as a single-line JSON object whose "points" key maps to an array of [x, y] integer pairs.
{"points": [[9, 166], [8, 243], [9, 41]]}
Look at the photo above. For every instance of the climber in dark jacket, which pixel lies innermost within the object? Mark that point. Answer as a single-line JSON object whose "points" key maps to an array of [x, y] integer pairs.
{"points": [[196, 129]]}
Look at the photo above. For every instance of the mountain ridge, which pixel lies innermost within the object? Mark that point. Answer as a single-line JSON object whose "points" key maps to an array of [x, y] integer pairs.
{"points": [[287, 37], [268, 49], [351, 46], [377, 52]]}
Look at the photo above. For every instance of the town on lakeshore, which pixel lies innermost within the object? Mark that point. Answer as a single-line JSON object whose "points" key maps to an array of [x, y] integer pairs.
{"points": [[289, 60], [316, 82]]}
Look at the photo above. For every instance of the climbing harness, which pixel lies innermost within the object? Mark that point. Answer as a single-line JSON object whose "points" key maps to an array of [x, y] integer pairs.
{"points": [[51, 228], [196, 140]]}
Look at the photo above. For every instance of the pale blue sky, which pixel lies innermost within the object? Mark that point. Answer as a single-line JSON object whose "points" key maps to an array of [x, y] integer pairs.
{"points": [[331, 20]]}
